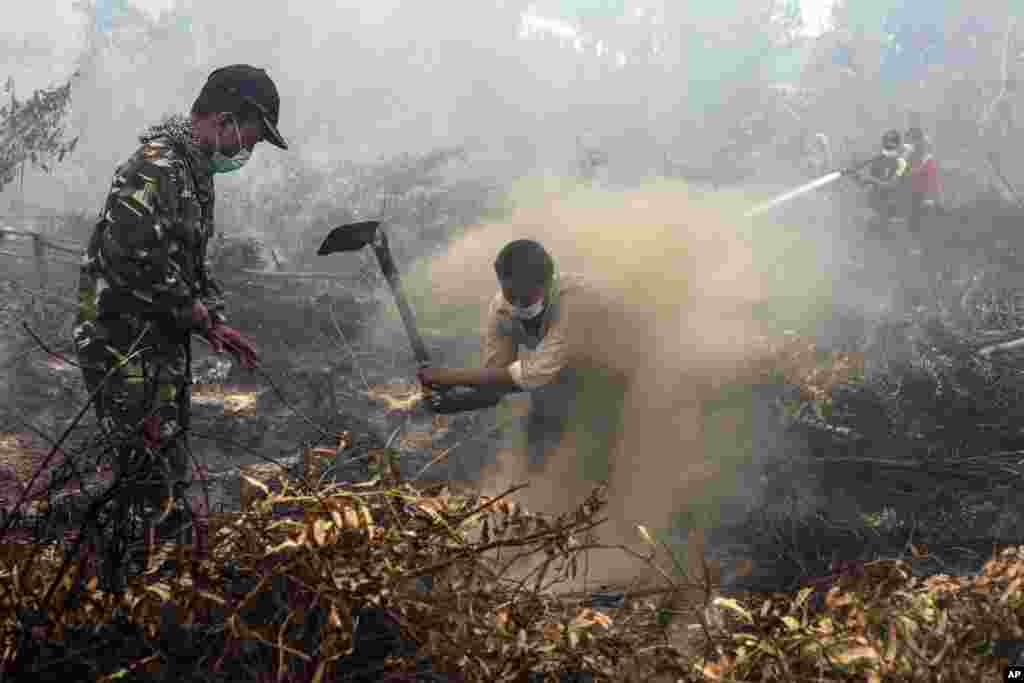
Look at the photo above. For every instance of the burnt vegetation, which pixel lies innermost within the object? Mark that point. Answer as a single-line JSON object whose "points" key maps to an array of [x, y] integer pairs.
{"points": [[329, 538]]}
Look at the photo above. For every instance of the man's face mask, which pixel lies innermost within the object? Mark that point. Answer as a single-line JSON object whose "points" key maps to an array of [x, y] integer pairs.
{"points": [[890, 153], [219, 163], [528, 312], [522, 311]]}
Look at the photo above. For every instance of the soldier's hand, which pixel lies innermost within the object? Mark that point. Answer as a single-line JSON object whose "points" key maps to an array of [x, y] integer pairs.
{"points": [[224, 338]]}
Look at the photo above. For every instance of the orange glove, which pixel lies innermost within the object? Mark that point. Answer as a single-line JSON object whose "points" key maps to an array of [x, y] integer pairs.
{"points": [[224, 338]]}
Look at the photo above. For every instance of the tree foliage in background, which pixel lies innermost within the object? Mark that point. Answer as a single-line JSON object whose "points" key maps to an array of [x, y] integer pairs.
{"points": [[950, 65], [32, 131], [702, 77], [733, 46], [424, 197]]}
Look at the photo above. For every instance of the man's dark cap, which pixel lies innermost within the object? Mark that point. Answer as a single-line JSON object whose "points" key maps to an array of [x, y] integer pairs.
{"points": [[242, 84], [524, 263]]}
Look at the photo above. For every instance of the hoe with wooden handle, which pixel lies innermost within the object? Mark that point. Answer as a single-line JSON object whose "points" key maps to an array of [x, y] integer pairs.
{"points": [[355, 236]]}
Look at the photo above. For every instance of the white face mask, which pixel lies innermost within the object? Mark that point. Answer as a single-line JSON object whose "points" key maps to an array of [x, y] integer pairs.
{"points": [[528, 312], [890, 153]]}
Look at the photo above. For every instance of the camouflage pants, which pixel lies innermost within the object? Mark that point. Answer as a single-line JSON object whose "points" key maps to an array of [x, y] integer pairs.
{"points": [[147, 388]]}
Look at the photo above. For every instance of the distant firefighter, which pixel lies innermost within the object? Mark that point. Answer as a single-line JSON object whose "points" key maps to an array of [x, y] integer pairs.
{"points": [[923, 178], [885, 175]]}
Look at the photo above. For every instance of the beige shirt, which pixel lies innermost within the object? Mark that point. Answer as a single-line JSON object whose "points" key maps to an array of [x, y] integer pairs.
{"points": [[544, 355]]}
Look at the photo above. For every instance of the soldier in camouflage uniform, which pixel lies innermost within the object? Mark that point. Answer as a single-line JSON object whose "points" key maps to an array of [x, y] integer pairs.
{"points": [[146, 285]]}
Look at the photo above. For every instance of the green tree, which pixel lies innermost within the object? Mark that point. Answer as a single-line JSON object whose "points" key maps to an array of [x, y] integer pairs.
{"points": [[32, 131]]}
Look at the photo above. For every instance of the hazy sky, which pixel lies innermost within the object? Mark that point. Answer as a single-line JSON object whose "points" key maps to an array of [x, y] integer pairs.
{"points": [[56, 23], [816, 14], [402, 77], [815, 11]]}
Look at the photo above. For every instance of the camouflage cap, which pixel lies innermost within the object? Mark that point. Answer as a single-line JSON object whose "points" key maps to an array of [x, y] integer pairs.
{"points": [[243, 84]]}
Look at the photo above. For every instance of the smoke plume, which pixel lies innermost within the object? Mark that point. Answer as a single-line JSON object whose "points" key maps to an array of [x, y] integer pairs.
{"points": [[674, 286]]}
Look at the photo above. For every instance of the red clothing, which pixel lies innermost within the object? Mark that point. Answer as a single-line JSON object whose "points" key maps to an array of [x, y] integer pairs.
{"points": [[924, 177]]}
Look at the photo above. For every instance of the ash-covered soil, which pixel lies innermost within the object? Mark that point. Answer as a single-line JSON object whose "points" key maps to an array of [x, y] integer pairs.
{"points": [[301, 396], [923, 467]]}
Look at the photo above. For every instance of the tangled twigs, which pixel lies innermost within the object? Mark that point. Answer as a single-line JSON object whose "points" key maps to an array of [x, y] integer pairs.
{"points": [[59, 356], [351, 549], [133, 353], [285, 594], [284, 399], [348, 348]]}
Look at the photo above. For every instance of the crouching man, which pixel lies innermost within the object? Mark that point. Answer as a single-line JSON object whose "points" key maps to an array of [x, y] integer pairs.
{"points": [[537, 336]]}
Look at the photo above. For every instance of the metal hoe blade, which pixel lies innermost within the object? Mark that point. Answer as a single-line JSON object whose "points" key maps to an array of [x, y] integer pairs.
{"points": [[355, 236], [351, 237]]}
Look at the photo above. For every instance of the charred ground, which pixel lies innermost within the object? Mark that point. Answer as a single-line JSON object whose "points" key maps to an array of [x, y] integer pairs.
{"points": [[870, 435]]}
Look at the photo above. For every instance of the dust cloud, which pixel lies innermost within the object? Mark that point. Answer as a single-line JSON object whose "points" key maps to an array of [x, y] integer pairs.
{"points": [[674, 284]]}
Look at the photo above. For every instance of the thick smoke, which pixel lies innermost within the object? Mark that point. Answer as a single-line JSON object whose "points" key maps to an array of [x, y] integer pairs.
{"points": [[677, 284], [358, 80]]}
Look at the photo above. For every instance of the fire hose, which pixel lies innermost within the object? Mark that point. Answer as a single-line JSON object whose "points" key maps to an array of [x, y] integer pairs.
{"points": [[808, 187]]}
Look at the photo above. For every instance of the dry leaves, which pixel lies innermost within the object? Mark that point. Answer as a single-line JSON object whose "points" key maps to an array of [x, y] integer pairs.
{"points": [[356, 546], [369, 544], [882, 624]]}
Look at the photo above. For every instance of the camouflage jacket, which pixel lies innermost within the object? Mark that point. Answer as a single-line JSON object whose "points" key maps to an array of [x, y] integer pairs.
{"points": [[148, 253]]}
